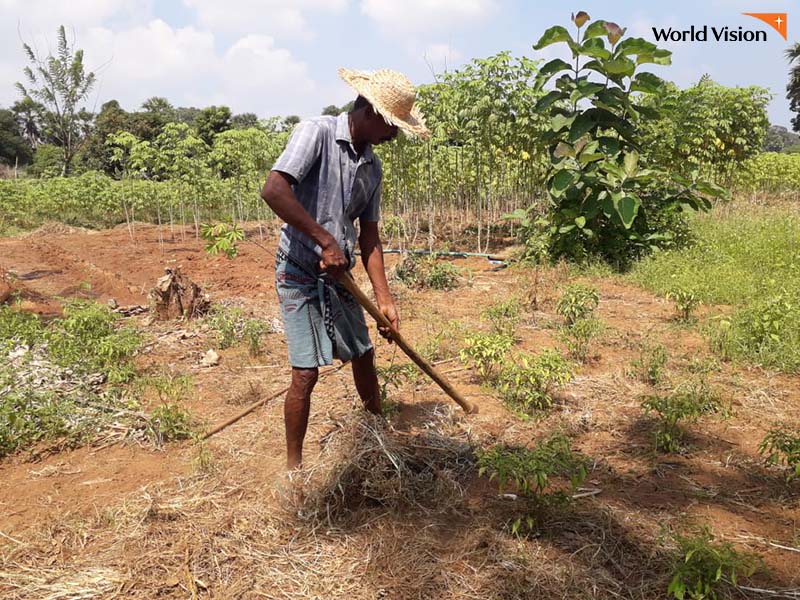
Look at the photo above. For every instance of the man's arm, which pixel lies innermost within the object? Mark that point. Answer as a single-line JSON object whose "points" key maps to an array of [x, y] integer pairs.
{"points": [[372, 257], [277, 193]]}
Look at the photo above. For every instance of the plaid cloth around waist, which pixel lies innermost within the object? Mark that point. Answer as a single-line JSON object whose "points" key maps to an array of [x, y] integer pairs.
{"points": [[322, 319]]}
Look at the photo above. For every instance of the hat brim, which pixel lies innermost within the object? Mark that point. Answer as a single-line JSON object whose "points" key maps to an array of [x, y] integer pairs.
{"points": [[412, 122]]}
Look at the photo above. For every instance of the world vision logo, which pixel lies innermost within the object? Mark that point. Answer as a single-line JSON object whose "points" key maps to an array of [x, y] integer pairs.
{"points": [[705, 33]]}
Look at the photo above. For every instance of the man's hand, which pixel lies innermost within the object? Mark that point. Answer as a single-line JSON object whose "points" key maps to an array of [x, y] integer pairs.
{"points": [[333, 262], [389, 311]]}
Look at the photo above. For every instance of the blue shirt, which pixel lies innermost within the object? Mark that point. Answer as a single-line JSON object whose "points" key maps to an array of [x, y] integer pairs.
{"points": [[334, 185]]}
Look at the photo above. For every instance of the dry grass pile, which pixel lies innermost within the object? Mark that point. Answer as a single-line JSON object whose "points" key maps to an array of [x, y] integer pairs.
{"points": [[366, 464]]}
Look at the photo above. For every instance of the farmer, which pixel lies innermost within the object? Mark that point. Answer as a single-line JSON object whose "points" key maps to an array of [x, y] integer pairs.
{"points": [[326, 178]]}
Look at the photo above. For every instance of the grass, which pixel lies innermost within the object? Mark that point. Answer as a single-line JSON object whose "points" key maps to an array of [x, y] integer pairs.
{"points": [[65, 379], [747, 257], [740, 254]]}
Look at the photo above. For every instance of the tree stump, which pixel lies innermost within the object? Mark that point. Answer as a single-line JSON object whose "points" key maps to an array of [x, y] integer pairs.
{"points": [[175, 296], [6, 291]]}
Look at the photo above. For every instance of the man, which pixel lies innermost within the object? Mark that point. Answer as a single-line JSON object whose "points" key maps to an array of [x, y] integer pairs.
{"points": [[326, 178]]}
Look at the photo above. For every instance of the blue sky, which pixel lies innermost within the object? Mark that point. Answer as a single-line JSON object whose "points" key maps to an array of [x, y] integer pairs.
{"points": [[274, 57]]}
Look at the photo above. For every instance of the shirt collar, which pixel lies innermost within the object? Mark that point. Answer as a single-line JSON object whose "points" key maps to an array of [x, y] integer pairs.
{"points": [[343, 135]]}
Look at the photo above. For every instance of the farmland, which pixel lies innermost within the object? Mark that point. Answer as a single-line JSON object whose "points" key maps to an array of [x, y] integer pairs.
{"points": [[634, 353]]}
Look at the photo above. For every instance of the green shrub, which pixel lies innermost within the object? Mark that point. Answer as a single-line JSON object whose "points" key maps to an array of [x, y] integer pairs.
{"points": [[443, 342], [530, 472], [685, 303], [395, 376], [577, 302], [649, 367], [783, 447], [427, 272], [527, 383], [486, 351], [579, 335], [766, 333], [686, 403], [171, 387], [701, 565], [19, 327], [170, 422], [504, 316], [253, 331]]}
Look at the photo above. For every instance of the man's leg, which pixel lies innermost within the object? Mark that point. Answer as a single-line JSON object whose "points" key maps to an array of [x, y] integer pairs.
{"points": [[295, 413], [366, 380]]}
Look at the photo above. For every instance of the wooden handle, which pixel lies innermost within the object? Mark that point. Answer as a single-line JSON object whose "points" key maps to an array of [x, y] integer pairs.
{"points": [[347, 281]]}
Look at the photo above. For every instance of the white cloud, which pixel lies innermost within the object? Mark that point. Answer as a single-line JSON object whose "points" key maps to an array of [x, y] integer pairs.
{"points": [[182, 64], [275, 17], [423, 16]]}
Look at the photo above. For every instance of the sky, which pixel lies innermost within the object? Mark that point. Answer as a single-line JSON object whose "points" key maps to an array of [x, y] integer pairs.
{"points": [[277, 57]]}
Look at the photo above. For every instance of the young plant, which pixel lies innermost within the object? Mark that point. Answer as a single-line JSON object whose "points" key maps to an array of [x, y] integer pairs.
{"points": [[579, 335], [685, 303], [686, 403], [427, 272], [577, 302], [504, 316], [170, 421], [701, 565], [228, 323], [527, 383], [171, 387], [783, 447], [649, 367], [394, 376], [486, 351], [605, 197], [222, 238], [529, 471], [443, 342], [253, 331]]}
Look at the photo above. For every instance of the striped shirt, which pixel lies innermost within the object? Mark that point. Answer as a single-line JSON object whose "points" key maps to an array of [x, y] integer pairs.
{"points": [[334, 185]]}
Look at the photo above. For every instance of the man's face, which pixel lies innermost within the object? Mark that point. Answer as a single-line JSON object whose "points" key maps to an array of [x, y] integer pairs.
{"points": [[378, 130]]}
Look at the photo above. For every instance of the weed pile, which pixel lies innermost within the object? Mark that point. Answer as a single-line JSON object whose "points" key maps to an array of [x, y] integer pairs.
{"points": [[366, 464]]}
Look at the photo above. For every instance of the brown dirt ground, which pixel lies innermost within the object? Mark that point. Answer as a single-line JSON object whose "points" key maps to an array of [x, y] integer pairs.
{"points": [[129, 521]]}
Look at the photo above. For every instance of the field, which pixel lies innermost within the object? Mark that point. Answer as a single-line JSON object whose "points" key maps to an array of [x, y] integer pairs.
{"points": [[121, 515]]}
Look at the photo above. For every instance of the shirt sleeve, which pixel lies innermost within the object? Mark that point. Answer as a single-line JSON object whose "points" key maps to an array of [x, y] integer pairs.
{"points": [[302, 151], [372, 211]]}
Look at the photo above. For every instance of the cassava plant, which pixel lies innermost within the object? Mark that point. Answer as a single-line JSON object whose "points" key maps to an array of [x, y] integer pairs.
{"points": [[606, 200]]}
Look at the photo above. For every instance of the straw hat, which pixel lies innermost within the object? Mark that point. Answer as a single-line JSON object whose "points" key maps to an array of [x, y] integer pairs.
{"points": [[392, 95]]}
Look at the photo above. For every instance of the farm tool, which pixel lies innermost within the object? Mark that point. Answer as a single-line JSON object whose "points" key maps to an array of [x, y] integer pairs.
{"points": [[351, 286]]}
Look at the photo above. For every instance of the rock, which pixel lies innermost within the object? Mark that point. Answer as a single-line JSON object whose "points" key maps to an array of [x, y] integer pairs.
{"points": [[112, 304], [210, 359]]}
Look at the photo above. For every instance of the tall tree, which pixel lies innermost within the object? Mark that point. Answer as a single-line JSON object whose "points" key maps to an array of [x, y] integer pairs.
{"points": [[60, 83], [211, 121], [28, 113], [793, 87], [14, 149]]}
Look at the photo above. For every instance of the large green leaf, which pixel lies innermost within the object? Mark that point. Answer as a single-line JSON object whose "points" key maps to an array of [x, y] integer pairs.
{"points": [[658, 57], [548, 100], [595, 48], [635, 46], [585, 89], [583, 124], [558, 122], [627, 208], [647, 83], [554, 66], [561, 181], [619, 66], [552, 36], [596, 29], [630, 163]]}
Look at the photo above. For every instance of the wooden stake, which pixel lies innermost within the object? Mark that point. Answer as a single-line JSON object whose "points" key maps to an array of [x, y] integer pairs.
{"points": [[347, 281]]}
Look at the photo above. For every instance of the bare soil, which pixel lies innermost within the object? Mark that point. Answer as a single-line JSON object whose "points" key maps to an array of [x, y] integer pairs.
{"points": [[138, 522]]}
